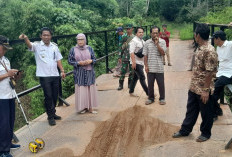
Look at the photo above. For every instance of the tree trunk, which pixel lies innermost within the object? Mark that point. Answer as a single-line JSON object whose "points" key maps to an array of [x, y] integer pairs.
{"points": [[147, 6], [127, 8], [192, 3]]}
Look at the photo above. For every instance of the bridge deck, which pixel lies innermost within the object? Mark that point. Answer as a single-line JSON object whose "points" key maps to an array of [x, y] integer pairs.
{"points": [[126, 127]]}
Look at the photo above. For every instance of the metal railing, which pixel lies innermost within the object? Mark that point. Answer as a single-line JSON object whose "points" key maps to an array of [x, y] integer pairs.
{"points": [[56, 38], [212, 28]]}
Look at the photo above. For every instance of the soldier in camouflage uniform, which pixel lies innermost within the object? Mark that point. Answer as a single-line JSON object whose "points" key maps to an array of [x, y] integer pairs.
{"points": [[120, 33], [125, 57]]}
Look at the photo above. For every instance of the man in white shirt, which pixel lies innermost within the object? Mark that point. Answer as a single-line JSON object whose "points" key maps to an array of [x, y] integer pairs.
{"points": [[224, 74], [137, 62], [7, 102], [47, 57]]}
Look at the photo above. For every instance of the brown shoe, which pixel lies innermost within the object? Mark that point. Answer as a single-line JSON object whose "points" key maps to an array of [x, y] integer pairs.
{"points": [[169, 64]]}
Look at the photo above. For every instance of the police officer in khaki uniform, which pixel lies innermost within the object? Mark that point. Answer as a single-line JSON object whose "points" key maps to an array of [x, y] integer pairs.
{"points": [[48, 57]]}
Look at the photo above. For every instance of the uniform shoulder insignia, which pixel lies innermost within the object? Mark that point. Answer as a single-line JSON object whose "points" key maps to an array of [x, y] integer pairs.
{"points": [[54, 43]]}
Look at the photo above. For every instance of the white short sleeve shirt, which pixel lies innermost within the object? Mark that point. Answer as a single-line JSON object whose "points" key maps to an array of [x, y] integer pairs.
{"points": [[225, 59], [46, 58], [6, 91], [134, 46]]}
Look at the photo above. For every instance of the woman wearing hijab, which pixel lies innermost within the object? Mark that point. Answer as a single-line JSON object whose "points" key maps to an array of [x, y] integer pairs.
{"points": [[82, 58]]}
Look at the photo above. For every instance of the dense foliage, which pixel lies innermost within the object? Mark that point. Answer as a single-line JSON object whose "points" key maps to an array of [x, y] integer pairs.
{"points": [[75, 16], [220, 17]]}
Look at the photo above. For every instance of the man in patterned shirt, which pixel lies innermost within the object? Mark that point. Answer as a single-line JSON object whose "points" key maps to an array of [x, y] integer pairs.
{"points": [[200, 98]]}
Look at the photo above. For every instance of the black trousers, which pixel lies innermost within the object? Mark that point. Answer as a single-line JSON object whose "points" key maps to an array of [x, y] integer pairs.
{"points": [[138, 74], [151, 77], [7, 118], [194, 107], [50, 87], [219, 87]]}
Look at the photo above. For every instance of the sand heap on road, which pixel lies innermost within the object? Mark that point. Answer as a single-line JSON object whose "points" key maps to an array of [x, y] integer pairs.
{"points": [[125, 134]]}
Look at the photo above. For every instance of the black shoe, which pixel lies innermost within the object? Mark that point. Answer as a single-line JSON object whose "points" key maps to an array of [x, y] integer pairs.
{"points": [[51, 121], [57, 117], [14, 146], [120, 88], [178, 134]]}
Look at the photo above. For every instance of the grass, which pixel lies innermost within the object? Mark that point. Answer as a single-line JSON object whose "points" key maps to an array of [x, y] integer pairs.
{"points": [[186, 32]]}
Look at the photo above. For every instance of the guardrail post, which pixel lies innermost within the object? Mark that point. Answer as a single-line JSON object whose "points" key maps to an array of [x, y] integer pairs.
{"points": [[194, 27], [222, 28], [60, 93], [106, 52], [86, 39], [212, 31]]}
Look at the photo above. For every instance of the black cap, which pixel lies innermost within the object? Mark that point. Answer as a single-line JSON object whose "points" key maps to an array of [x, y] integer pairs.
{"points": [[5, 42], [219, 34]]}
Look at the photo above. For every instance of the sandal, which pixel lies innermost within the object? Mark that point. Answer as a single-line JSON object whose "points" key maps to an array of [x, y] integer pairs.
{"points": [[202, 139], [93, 112], [83, 111]]}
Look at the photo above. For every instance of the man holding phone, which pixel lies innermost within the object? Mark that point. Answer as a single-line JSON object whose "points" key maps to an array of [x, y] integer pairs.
{"points": [[7, 100], [154, 50]]}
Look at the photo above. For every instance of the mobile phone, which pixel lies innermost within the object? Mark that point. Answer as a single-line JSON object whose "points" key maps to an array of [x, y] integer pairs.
{"points": [[20, 71]]}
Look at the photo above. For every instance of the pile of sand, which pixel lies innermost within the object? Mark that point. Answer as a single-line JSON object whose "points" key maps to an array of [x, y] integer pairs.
{"points": [[125, 134]]}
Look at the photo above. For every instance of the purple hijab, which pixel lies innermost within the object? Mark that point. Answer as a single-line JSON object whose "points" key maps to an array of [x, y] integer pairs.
{"points": [[82, 52]]}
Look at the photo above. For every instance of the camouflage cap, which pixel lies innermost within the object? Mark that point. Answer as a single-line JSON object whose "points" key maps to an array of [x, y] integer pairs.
{"points": [[129, 26]]}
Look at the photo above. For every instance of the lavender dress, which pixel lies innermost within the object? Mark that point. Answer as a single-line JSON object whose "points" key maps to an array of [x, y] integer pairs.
{"points": [[84, 77]]}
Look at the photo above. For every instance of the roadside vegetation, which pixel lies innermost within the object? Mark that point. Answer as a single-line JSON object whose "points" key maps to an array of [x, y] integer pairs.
{"points": [[75, 16]]}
